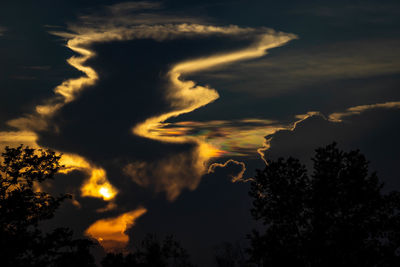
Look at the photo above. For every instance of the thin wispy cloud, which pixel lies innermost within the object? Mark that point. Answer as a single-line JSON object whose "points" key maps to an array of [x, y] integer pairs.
{"points": [[357, 110], [294, 70], [2, 30], [367, 13]]}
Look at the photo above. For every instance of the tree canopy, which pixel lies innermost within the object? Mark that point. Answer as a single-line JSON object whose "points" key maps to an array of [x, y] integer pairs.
{"points": [[151, 252], [23, 205], [337, 216]]}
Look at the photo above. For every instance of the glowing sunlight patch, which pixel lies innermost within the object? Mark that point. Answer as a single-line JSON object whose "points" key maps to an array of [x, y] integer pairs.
{"points": [[98, 186]]}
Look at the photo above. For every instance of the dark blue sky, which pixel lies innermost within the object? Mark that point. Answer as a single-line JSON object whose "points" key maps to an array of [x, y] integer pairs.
{"points": [[341, 61]]}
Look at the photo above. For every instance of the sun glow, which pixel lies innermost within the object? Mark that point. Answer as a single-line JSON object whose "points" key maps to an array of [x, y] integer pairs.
{"points": [[98, 186]]}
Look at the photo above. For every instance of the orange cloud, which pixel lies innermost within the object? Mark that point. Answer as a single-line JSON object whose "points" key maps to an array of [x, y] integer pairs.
{"points": [[111, 232], [97, 185]]}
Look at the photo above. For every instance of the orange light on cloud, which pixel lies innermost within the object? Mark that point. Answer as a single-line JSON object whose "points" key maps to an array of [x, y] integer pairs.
{"points": [[186, 96], [111, 232], [97, 185], [208, 151]]}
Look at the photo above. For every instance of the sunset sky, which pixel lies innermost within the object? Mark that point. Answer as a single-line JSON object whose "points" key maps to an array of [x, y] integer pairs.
{"points": [[163, 110]]}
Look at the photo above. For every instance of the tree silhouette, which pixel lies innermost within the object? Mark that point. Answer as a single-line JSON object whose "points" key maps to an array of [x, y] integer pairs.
{"points": [[338, 216], [151, 253], [22, 207], [231, 255]]}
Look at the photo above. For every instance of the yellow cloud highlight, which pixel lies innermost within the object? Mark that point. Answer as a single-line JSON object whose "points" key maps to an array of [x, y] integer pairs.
{"points": [[186, 96], [69, 88], [268, 40], [15, 138], [208, 151], [97, 185], [111, 232]]}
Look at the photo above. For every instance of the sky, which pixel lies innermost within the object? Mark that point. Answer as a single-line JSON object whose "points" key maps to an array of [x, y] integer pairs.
{"points": [[163, 110]]}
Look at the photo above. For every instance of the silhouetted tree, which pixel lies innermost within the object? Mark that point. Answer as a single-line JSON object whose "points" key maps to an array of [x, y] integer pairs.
{"points": [[231, 255], [22, 207], [151, 253], [338, 216]]}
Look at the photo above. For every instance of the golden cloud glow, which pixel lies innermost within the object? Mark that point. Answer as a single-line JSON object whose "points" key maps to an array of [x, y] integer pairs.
{"points": [[187, 96], [97, 185], [15, 138], [111, 232]]}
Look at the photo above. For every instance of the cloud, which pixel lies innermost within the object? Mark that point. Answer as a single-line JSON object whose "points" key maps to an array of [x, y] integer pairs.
{"points": [[111, 232], [172, 174], [374, 132], [231, 138], [127, 7], [379, 13], [133, 13], [338, 116], [221, 139], [184, 96], [2, 30], [235, 178], [97, 184], [29, 123], [187, 96], [312, 66]]}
